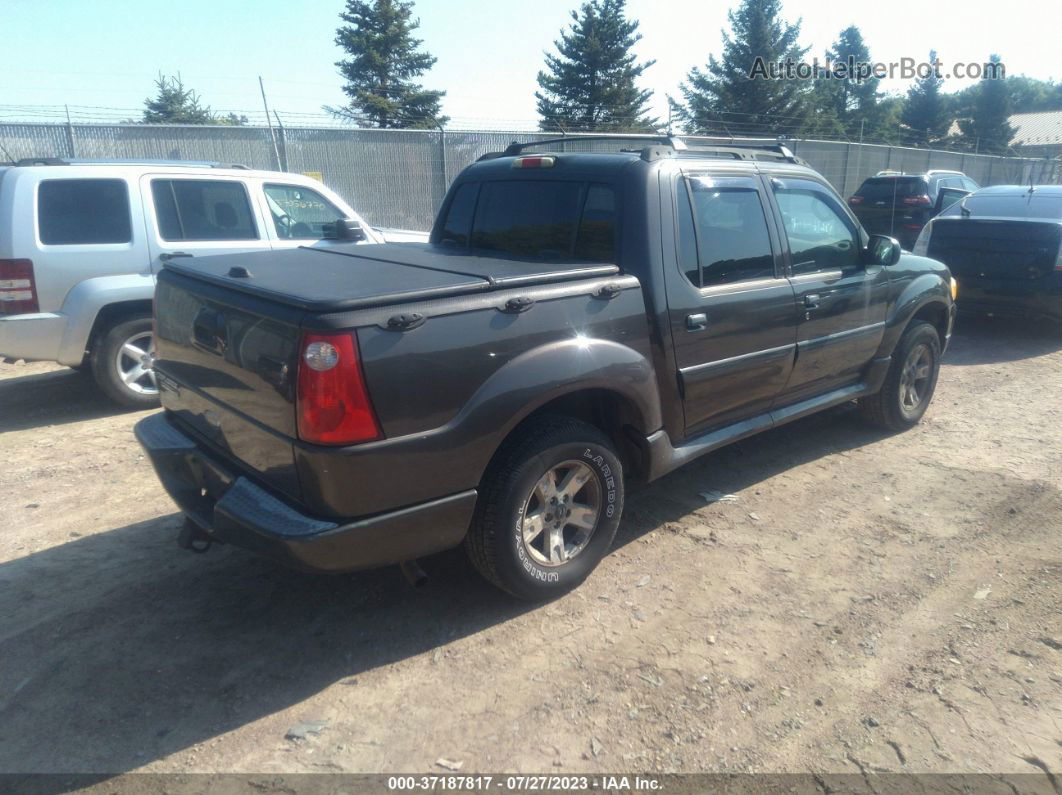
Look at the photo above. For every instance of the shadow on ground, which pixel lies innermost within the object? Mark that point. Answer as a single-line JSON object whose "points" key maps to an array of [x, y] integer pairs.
{"points": [[987, 340], [52, 398], [118, 649]]}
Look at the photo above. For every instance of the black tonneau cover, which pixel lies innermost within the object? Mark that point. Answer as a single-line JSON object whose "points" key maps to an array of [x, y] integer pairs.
{"points": [[338, 278]]}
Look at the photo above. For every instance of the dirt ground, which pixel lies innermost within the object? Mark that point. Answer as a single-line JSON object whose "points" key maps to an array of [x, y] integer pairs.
{"points": [[868, 603]]}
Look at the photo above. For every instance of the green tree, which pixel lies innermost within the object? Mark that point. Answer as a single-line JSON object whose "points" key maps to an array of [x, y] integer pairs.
{"points": [[384, 62], [926, 112], [986, 130], [591, 83], [856, 96], [175, 104], [723, 97]]}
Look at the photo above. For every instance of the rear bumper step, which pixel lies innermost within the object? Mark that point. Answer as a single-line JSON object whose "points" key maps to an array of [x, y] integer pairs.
{"points": [[229, 507]]}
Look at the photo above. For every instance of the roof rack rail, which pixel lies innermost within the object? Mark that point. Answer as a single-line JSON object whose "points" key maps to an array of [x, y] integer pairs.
{"points": [[668, 146], [72, 161]]}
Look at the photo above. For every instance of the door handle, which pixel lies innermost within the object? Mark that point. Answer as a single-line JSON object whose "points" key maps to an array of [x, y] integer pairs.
{"points": [[697, 322], [811, 301], [166, 256]]}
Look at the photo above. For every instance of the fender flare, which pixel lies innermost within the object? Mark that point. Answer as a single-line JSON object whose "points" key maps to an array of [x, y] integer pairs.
{"points": [[88, 298], [923, 290]]}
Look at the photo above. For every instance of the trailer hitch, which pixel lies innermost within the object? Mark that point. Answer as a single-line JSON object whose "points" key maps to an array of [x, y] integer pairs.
{"points": [[193, 537]]}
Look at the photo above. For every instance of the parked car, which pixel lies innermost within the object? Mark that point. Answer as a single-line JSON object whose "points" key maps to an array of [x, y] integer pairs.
{"points": [[897, 204], [81, 242], [1004, 245], [577, 319]]}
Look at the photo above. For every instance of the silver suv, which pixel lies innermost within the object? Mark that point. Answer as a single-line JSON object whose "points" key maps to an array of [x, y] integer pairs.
{"points": [[81, 242]]}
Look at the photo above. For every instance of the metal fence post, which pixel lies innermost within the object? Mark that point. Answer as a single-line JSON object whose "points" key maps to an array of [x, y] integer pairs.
{"points": [[70, 133]]}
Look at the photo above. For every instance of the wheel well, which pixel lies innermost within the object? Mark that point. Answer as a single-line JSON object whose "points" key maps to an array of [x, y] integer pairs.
{"points": [[615, 415], [935, 314], [112, 314]]}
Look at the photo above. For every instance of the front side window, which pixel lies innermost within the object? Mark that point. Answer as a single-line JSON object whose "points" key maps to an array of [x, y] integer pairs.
{"points": [[300, 213], [821, 236], [83, 211], [203, 210], [540, 220], [731, 241]]}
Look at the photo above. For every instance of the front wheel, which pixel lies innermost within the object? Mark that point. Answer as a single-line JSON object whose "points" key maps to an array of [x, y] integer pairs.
{"points": [[121, 363], [548, 509], [910, 383]]}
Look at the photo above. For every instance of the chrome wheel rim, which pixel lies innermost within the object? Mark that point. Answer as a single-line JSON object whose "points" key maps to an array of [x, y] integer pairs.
{"points": [[561, 513], [134, 364], [915, 377]]}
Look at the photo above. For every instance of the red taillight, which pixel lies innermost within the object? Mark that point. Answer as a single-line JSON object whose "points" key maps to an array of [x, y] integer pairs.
{"points": [[333, 404], [918, 201], [18, 289], [855, 199], [538, 161]]}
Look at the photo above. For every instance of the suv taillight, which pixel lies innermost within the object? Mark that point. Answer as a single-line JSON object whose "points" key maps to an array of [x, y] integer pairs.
{"points": [[333, 403], [918, 201], [18, 290]]}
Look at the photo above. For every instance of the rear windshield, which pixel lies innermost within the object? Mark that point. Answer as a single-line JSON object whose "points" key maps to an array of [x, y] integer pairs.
{"points": [[884, 188], [541, 220], [1018, 205]]}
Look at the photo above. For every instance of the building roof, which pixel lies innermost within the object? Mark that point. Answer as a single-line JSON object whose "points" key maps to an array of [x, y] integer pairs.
{"points": [[1037, 129]]}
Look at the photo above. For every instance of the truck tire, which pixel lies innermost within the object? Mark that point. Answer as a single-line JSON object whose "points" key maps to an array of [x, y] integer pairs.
{"points": [[548, 509], [910, 382], [117, 366]]}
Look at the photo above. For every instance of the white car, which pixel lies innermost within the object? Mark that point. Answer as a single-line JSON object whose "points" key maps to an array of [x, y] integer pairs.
{"points": [[81, 242]]}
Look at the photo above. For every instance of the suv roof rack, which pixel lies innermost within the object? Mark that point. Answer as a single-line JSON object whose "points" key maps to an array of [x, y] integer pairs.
{"points": [[671, 146], [944, 171], [71, 161]]}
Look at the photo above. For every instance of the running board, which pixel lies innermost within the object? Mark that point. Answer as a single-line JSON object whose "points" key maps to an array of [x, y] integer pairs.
{"points": [[664, 458]]}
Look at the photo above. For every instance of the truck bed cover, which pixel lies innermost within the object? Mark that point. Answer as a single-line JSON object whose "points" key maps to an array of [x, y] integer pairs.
{"points": [[352, 277]]}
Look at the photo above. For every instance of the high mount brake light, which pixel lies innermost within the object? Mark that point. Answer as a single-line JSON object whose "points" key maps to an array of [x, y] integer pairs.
{"points": [[333, 404], [18, 288], [537, 161]]}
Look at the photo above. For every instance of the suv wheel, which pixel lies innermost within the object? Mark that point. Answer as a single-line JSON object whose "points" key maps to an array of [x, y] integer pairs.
{"points": [[910, 383], [548, 509], [121, 366]]}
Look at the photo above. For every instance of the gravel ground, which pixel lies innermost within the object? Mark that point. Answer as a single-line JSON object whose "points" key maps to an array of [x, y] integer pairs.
{"points": [[868, 603]]}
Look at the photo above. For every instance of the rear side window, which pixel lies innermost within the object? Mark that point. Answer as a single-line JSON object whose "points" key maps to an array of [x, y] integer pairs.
{"points": [[194, 209], [731, 231], [83, 211], [547, 220], [884, 188]]}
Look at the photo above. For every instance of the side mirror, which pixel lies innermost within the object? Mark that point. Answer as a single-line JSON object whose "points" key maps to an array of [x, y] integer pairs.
{"points": [[345, 229], [882, 250], [947, 197]]}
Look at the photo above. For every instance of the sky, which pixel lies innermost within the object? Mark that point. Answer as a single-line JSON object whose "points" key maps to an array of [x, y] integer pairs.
{"points": [[101, 57]]}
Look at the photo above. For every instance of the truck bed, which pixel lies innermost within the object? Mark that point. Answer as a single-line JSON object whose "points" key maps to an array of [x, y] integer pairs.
{"points": [[336, 279]]}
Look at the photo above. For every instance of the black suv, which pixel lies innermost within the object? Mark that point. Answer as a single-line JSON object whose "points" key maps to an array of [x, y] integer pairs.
{"points": [[899, 205]]}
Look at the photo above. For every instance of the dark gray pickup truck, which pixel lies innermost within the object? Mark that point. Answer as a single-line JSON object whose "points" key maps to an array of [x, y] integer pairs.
{"points": [[578, 321]]}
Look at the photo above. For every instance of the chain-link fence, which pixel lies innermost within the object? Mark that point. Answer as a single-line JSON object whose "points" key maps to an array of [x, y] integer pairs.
{"points": [[398, 177]]}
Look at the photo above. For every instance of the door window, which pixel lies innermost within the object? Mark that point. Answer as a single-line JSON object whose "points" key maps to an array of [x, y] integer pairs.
{"points": [[723, 235], [300, 213], [199, 209], [83, 211], [821, 235]]}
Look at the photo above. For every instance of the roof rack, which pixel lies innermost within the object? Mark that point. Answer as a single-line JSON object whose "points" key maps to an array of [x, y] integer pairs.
{"points": [[71, 161], [670, 146], [943, 171]]}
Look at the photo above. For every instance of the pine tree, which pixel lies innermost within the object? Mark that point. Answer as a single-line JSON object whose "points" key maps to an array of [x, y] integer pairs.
{"points": [[723, 98], [591, 83], [856, 96], [383, 65], [175, 104], [987, 129], [925, 113]]}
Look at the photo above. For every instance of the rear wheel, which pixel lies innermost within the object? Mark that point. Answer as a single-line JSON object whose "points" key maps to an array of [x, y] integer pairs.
{"points": [[121, 363], [910, 383], [548, 509]]}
